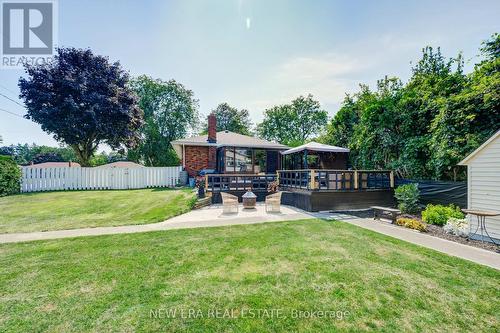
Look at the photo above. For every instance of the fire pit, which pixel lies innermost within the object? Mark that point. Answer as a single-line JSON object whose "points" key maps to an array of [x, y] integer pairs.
{"points": [[249, 200]]}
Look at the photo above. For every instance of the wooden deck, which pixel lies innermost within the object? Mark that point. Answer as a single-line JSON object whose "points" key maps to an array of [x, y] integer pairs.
{"points": [[312, 190]]}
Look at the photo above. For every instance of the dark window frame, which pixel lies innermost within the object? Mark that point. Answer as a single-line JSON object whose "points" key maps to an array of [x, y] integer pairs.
{"points": [[253, 149]]}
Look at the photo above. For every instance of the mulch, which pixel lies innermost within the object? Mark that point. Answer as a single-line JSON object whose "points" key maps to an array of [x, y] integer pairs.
{"points": [[433, 230], [438, 231]]}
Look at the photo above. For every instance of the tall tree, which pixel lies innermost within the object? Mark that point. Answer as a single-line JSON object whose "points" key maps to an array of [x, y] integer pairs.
{"points": [[25, 154], [170, 111], [293, 124], [47, 157], [82, 100], [434, 80], [341, 127], [231, 119], [424, 128], [374, 141], [469, 117]]}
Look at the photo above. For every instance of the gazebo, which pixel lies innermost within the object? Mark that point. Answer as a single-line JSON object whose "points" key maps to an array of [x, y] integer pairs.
{"points": [[314, 155]]}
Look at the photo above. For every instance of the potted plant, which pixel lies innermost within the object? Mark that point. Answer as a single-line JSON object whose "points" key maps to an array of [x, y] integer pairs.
{"points": [[200, 184], [273, 187]]}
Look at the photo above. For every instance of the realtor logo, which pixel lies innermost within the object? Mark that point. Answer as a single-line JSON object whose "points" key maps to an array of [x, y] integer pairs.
{"points": [[28, 29]]}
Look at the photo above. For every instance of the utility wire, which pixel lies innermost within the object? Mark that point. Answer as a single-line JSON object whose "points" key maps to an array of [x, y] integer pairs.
{"points": [[12, 113], [12, 100], [4, 87]]}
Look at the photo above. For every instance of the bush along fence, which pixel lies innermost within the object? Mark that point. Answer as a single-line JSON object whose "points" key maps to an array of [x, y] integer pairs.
{"points": [[439, 192], [75, 178]]}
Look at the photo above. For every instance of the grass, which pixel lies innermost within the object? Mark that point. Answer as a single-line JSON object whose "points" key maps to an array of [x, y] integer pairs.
{"points": [[78, 209], [119, 283]]}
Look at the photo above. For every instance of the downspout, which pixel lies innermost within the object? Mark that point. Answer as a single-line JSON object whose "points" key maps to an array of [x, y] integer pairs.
{"points": [[305, 159], [183, 157]]}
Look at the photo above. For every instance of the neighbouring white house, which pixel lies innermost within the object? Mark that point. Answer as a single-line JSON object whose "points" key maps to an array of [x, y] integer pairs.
{"points": [[54, 165], [483, 182]]}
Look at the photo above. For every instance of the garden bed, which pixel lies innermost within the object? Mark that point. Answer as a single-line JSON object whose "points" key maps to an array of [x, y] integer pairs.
{"points": [[438, 231], [432, 230]]}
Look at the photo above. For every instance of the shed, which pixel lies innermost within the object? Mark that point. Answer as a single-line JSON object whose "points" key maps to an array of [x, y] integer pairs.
{"points": [[483, 182]]}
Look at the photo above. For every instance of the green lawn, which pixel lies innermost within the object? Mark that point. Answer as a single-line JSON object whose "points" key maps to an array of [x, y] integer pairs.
{"points": [[118, 283], [76, 209]]}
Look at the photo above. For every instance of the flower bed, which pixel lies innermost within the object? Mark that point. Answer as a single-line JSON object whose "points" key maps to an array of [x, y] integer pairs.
{"points": [[431, 230]]}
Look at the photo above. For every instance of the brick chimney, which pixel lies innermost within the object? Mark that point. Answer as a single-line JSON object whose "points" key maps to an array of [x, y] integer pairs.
{"points": [[212, 128], [212, 138]]}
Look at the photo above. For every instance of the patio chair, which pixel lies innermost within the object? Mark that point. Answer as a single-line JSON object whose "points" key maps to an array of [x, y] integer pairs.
{"points": [[229, 203], [273, 202]]}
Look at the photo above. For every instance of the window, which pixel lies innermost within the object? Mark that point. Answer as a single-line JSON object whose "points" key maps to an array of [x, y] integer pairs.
{"points": [[243, 160], [239, 160], [229, 160], [259, 161]]}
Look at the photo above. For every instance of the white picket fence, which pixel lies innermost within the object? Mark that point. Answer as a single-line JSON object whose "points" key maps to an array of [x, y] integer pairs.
{"points": [[76, 178]]}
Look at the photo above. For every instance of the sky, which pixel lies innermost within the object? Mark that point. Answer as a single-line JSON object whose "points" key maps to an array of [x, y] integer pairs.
{"points": [[257, 54]]}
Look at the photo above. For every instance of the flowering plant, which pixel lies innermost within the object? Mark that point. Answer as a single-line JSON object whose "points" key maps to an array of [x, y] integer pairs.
{"points": [[273, 187], [200, 182], [458, 227]]}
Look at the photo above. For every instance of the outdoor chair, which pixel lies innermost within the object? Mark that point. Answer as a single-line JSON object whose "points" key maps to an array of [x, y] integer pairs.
{"points": [[229, 203], [273, 202]]}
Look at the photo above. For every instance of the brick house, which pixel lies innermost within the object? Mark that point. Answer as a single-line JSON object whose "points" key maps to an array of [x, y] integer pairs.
{"points": [[228, 152]]}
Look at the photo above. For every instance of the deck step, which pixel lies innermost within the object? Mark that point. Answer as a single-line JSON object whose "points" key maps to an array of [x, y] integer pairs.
{"points": [[200, 203]]}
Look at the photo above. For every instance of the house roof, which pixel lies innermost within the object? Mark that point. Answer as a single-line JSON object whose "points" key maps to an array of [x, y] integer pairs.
{"points": [[121, 164], [466, 160], [316, 146], [54, 165], [227, 138]]}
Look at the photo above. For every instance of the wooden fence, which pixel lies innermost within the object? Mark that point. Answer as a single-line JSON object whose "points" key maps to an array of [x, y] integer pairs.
{"points": [[76, 178]]}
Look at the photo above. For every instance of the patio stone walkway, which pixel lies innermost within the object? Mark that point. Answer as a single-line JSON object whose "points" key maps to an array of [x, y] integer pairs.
{"points": [[477, 255], [210, 216]]}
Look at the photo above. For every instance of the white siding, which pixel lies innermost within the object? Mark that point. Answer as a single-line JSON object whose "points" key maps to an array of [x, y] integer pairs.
{"points": [[484, 185]]}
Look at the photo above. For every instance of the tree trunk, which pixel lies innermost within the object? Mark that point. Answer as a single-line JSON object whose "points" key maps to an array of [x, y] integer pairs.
{"points": [[84, 152]]}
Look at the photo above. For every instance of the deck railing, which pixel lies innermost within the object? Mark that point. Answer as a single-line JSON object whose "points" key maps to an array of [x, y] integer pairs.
{"points": [[336, 179], [313, 180], [238, 182]]}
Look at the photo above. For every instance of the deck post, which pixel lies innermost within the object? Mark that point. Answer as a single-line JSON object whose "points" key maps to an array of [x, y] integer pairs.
{"points": [[392, 179], [277, 177], [206, 181], [355, 179], [312, 184]]}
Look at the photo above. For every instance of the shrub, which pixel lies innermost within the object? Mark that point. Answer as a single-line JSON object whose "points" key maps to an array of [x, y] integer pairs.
{"points": [[10, 176], [411, 223], [458, 227], [439, 214], [407, 196]]}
